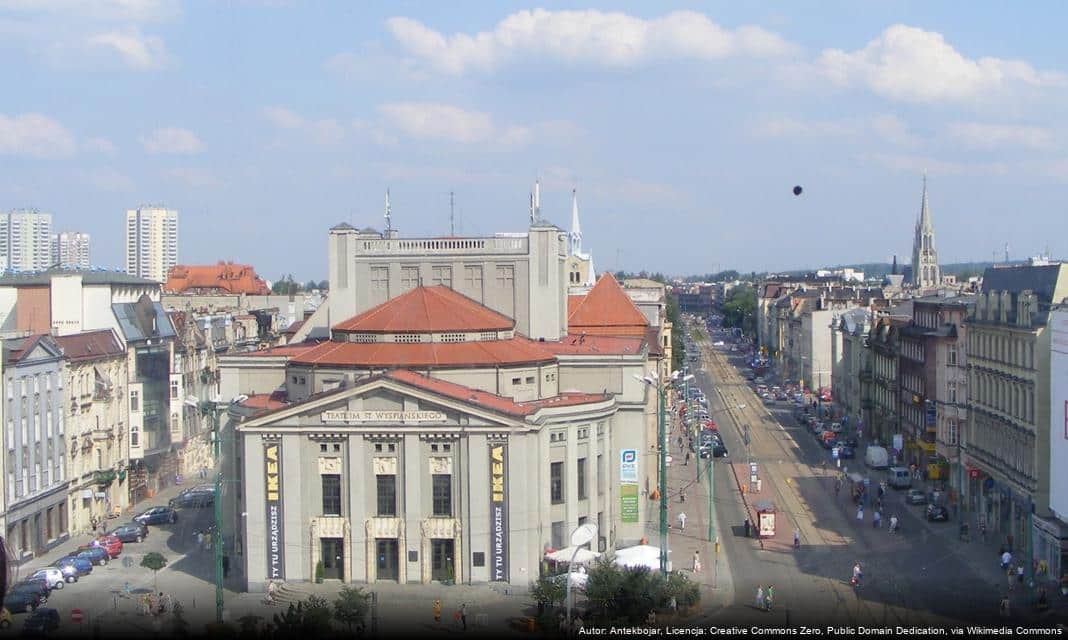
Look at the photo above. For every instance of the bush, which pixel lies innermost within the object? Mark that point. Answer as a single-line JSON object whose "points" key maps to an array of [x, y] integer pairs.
{"points": [[320, 571]]}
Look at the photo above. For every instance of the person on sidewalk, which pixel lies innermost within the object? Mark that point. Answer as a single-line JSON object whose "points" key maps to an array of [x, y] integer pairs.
{"points": [[682, 521], [759, 603], [697, 562], [860, 513], [1020, 573], [876, 519], [1003, 607], [1006, 559], [769, 597], [797, 538], [893, 524], [463, 615], [437, 613], [1009, 575]]}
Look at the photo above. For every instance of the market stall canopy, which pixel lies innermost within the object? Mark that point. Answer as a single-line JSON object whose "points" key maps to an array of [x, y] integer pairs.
{"points": [[642, 555], [564, 555]]}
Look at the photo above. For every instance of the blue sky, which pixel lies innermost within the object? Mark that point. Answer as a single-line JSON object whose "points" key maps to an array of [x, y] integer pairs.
{"points": [[683, 127]]}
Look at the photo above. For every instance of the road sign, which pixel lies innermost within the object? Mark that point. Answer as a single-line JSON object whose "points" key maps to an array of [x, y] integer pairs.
{"points": [[76, 615]]}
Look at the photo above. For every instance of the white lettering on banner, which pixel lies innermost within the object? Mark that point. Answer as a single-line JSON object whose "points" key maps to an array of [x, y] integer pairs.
{"points": [[382, 416]]}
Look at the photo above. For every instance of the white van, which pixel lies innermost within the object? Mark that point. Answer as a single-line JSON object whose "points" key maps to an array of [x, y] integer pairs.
{"points": [[899, 477]]}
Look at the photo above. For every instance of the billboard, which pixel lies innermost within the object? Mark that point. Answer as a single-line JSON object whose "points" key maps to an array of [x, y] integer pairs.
{"points": [[628, 485], [498, 463], [272, 469], [1058, 412]]}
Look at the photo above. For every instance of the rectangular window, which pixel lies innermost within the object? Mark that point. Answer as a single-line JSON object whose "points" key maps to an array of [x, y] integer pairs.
{"points": [[380, 278], [516, 381], [952, 393], [36, 427], [134, 401], [530, 379], [581, 478], [557, 535], [331, 495], [48, 423], [505, 276], [135, 437], [409, 277], [951, 354], [387, 495], [600, 474], [556, 482], [442, 495], [174, 389], [442, 276], [473, 277]]}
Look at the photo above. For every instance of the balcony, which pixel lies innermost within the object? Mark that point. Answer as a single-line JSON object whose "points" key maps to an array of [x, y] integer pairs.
{"points": [[104, 478]]}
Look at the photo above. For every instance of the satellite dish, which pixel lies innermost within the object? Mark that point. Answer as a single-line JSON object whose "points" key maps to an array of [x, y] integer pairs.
{"points": [[797, 190], [583, 535]]}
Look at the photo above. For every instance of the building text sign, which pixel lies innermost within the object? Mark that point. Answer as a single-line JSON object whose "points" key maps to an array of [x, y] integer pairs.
{"points": [[628, 485], [498, 463], [382, 416], [276, 561]]}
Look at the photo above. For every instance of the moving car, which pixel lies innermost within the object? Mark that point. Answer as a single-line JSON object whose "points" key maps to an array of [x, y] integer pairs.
{"points": [[157, 515], [52, 576], [131, 532], [41, 622], [916, 496], [34, 586], [936, 513], [22, 599], [827, 439], [73, 564], [96, 555], [192, 498], [111, 544]]}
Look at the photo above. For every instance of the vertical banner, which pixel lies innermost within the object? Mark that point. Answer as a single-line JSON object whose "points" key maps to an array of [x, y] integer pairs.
{"points": [[276, 557], [628, 485], [498, 462]]}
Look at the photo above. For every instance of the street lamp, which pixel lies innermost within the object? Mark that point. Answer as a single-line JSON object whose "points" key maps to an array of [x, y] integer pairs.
{"points": [[583, 535], [661, 435]]}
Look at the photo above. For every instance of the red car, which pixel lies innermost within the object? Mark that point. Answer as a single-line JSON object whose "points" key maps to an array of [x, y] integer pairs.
{"points": [[110, 543]]}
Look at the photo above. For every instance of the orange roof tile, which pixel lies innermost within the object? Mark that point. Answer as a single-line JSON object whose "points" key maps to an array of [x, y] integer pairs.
{"points": [[285, 350], [518, 350], [224, 277], [427, 310], [266, 401], [573, 303], [488, 400], [606, 310], [573, 344]]}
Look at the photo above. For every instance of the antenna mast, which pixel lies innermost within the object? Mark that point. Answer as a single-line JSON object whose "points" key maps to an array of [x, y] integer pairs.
{"points": [[389, 218], [452, 215]]}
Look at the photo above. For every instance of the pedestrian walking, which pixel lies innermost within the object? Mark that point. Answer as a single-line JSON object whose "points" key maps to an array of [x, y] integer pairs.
{"points": [[893, 524], [680, 444], [769, 597], [797, 538], [1009, 576], [463, 615], [682, 521], [437, 612], [759, 597], [876, 520], [1020, 573], [1006, 559], [1003, 606], [860, 513], [697, 562], [687, 461], [200, 539]]}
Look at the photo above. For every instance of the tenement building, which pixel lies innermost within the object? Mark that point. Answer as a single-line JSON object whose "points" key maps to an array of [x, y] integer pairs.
{"points": [[430, 440], [1006, 446]]}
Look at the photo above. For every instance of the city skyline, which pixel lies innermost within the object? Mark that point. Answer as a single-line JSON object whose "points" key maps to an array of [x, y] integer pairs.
{"points": [[482, 102]]}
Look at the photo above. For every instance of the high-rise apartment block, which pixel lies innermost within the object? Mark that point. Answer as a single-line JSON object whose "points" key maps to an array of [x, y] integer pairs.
{"points": [[70, 249], [25, 240], [151, 242]]}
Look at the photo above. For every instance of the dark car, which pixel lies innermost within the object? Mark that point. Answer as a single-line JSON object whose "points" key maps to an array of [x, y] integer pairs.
{"points": [[916, 496], [193, 498], [96, 555], [132, 532], [19, 600], [35, 586], [41, 622], [158, 515], [81, 566], [851, 441], [936, 513], [846, 452]]}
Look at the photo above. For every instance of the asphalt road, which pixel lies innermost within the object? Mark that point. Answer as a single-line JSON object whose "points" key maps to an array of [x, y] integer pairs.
{"points": [[913, 579]]}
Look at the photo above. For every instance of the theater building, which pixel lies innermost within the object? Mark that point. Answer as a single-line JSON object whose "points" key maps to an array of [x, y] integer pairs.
{"points": [[429, 440]]}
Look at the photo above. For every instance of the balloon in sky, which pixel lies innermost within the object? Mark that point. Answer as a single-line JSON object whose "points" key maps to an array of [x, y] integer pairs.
{"points": [[798, 190]]}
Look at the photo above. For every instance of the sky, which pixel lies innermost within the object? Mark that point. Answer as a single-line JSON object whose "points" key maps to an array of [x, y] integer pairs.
{"points": [[683, 127]]}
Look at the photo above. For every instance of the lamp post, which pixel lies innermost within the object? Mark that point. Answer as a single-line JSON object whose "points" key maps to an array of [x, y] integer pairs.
{"points": [[661, 434], [580, 536]]}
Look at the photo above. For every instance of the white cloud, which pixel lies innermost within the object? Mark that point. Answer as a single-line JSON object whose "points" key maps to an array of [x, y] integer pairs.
{"points": [[912, 65], [106, 180], [172, 140], [439, 122], [608, 39], [979, 135], [136, 50], [324, 132], [35, 135], [916, 164], [102, 10], [192, 176], [886, 127], [99, 145]]}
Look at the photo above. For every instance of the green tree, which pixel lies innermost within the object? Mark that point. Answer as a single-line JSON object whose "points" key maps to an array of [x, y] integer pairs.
{"points": [[547, 591], [352, 606], [678, 345], [154, 561], [618, 595], [739, 308], [307, 619]]}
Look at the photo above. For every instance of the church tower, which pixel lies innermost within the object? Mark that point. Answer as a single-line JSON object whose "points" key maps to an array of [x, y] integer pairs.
{"points": [[925, 270]]}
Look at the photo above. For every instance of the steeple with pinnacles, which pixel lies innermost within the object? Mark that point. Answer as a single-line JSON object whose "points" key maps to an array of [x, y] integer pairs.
{"points": [[925, 270]]}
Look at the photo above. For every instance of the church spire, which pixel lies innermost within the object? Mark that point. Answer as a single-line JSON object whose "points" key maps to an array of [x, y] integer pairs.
{"points": [[575, 235], [925, 214], [925, 270]]}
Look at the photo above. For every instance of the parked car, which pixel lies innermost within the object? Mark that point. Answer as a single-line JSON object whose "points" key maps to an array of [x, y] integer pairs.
{"points": [[132, 532], [41, 622], [111, 544], [836, 427], [846, 452], [851, 441], [34, 586], [916, 496], [22, 599], [937, 513], [827, 439], [97, 555], [52, 576], [73, 564], [157, 515]]}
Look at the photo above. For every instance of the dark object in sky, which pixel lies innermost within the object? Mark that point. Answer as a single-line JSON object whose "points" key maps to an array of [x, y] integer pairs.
{"points": [[798, 190]]}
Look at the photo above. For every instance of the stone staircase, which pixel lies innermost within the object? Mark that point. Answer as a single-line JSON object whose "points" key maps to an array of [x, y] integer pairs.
{"points": [[291, 593]]}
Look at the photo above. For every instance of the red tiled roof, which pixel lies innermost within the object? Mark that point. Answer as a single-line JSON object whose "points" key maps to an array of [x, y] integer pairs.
{"points": [[28, 343], [652, 338], [225, 276], [266, 401], [518, 350], [285, 350], [488, 400], [573, 303], [427, 310], [293, 328], [89, 345], [573, 344], [606, 310]]}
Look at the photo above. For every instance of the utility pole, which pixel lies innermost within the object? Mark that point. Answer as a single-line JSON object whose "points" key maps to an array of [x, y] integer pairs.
{"points": [[452, 215], [663, 481], [217, 540]]}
